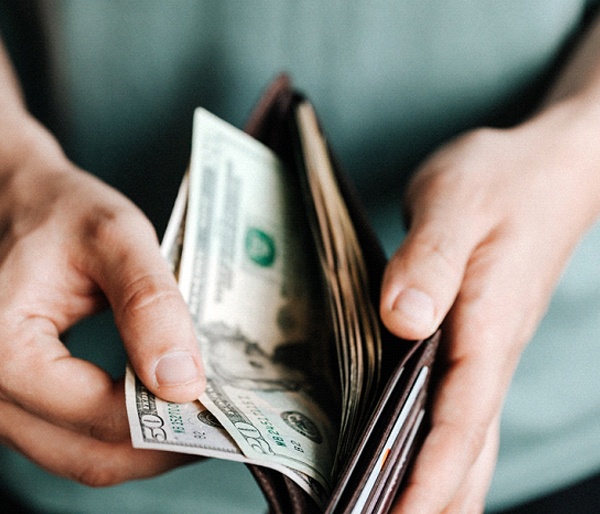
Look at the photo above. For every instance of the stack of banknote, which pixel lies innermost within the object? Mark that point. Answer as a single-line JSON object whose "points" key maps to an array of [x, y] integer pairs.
{"points": [[270, 267]]}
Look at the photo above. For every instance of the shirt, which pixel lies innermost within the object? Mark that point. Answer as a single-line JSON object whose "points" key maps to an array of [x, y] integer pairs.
{"points": [[391, 80]]}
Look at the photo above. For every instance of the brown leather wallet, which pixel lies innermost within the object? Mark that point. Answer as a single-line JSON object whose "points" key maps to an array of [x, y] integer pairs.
{"points": [[371, 477]]}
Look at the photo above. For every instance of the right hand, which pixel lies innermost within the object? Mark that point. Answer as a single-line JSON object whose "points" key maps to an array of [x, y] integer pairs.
{"points": [[69, 246]]}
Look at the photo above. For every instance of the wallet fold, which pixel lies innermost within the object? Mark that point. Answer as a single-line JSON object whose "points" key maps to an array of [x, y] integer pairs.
{"points": [[372, 477]]}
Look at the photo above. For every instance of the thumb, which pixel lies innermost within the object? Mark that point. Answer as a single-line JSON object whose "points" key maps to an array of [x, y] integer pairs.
{"points": [[424, 276], [152, 317]]}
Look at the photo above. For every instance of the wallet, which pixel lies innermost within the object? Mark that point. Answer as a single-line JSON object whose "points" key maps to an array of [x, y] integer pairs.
{"points": [[371, 477]]}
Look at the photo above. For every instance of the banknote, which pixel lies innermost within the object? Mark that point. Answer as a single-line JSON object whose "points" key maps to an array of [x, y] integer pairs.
{"points": [[172, 241], [182, 427], [161, 425], [237, 240], [254, 294], [191, 428]]}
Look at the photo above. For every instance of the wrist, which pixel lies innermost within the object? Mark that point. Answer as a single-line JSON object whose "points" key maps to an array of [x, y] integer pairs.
{"points": [[567, 132]]}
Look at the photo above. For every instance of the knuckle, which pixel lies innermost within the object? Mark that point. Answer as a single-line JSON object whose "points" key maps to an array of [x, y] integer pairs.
{"points": [[106, 429], [475, 438], [111, 226], [22, 355], [97, 474], [150, 291], [489, 335], [101, 225], [440, 252], [472, 439], [458, 170]]}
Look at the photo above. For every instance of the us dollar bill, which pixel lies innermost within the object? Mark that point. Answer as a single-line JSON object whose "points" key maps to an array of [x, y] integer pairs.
{"points": [[172, 241], [248, 277], [161, 425], [181, 427], [239, 244], [191, 428]]}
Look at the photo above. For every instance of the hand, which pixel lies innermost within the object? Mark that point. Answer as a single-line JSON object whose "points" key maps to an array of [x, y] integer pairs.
{"points": [[493, 218], [69, 245]]}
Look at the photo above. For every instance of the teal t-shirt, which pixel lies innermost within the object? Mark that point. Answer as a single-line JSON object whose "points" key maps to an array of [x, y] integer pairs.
{"points": [[391, 80]]}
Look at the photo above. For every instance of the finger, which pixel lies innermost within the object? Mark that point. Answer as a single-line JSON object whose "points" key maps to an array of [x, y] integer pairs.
{"points": [[453, 445], [423, 277], [484, 334], [39, 298], [470, 497], [77, 457], [39, 374], [152, 317]]}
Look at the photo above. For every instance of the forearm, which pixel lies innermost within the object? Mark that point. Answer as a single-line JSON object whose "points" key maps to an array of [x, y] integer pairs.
{"points": [[580, 77], [566, 127]]}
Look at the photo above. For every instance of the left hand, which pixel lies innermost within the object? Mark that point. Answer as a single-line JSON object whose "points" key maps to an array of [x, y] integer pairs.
{"points": [[494, 217]]}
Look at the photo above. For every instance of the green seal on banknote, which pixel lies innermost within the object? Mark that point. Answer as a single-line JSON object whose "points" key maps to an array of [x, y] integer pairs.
{"points": [[260, 247], [208, 418], [303, 425]]}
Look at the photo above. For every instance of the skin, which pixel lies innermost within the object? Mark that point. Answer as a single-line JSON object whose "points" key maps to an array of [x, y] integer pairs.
{"points": [[494, 216], [70, 245]]}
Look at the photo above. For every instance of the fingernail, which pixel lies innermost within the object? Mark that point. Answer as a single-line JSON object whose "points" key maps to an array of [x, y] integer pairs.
{"points": [[176, 368], [416, 306]]}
